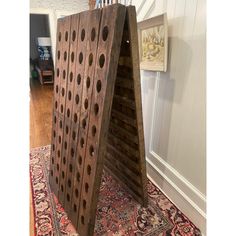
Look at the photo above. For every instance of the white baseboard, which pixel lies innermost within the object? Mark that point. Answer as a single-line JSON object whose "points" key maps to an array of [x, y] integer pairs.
{"points": [[182, 193]]}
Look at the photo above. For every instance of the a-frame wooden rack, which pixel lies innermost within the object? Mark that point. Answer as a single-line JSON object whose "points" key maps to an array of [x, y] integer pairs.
{"points": [[97, 112]]}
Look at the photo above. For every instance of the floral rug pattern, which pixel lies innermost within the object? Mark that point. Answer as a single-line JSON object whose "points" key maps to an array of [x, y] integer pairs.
{"points": [[117, 213]]}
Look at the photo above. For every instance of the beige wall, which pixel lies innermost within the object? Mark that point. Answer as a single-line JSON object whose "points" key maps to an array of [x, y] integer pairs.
{"points": [[174, 107]]}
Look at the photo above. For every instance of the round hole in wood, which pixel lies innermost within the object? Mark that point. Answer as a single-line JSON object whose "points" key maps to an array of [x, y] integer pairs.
{"points": [[82, 142], [70, 168], [82, 219], [80, 160], [72, 152], [63, 174], [58, 153], [82, 35], [60, 124], [69, 95], [54, 133], [56, 104], [77, 99], [52, 160], [57, 89], [66, 36], [71, 76], [67, 129], [94, 130], [69, 183], [75, 117], [91, 151], [64, 160], [78, 79], [101, 60], [75, 208], [57, 166], [84, 204], [56, 180], [68, 197], [90, 59], [99, 86], [55, 119], [68, 112], [88, 169], [73, 135], [73, 35], [62, 188], [58, 54], [96, 109], [80, 57], [59, 139], [72, 57], [59, 37], [51, 173], [78, 176], [93, 34], [86, 187], [58, 72], [63, 92], [105, 33], [65, 56], [76, 192], [84, 123], [88, 82], [61, 108], [64, 74], [86, 103]]}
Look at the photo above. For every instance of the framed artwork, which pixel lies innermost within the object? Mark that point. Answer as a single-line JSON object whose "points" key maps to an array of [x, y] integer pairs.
{"points": [[153, 43]]}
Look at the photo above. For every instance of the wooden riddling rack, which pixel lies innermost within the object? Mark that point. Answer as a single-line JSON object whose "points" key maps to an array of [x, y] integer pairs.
{"points": [[97, 112]]}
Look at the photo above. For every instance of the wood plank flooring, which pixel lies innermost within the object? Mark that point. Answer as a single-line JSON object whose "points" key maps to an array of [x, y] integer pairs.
{"points": [[40, 114], [40, 123]]}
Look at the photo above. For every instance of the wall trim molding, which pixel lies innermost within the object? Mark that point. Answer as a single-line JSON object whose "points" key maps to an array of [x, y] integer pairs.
{"points": [[179, 178], [179, 195]]}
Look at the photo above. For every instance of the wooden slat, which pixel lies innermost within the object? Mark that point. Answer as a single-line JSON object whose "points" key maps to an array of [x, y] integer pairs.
{"points": [[91, 29], [135, 189], [78, 66], [123, 168], [124, 83], [132, 26], [124, 118], [124, 101], [123, 133], [132, 164], [56, 97], [110, 34], [128, 96], [120, 144]]}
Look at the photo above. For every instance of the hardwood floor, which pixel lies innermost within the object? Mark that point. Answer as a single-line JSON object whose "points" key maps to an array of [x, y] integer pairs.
{"points": [[40, 114], [40, 123]]}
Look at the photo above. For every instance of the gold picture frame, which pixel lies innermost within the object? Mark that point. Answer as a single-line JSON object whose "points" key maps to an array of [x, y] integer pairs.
{"points": [[153, 43]]}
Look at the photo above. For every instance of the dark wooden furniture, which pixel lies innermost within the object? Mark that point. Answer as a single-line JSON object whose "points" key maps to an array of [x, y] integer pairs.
{"points": [[97, 111]]}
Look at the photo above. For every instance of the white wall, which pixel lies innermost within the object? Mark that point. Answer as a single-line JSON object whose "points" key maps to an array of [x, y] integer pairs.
{"points": [[56, 9], [174, 107]]}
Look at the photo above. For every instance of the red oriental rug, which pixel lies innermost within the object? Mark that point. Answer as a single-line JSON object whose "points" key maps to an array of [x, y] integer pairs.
{"points": [[117, 213]]}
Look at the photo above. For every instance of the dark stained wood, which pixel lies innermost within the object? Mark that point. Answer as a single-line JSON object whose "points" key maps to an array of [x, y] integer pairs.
{"points": [[97, 113], [127, 111], [111, 28]]}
